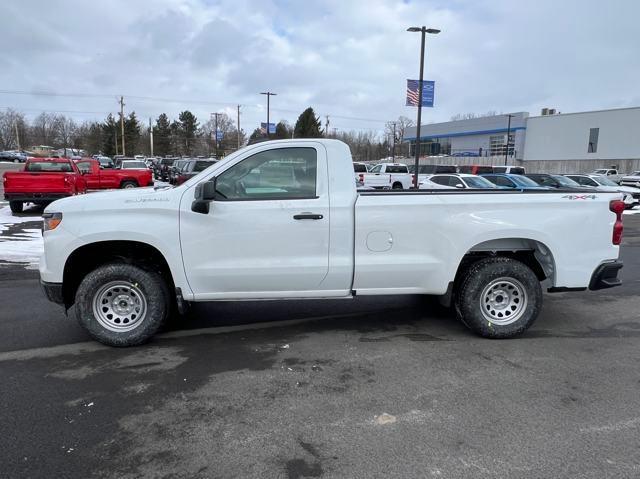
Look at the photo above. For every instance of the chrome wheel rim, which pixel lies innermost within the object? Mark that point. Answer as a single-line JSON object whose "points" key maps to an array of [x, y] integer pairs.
{"points": [[503, 301], [119, 306], [129, 185]]}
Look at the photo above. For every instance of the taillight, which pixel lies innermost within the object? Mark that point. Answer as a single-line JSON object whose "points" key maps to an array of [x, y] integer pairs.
{"points": [[361, 177], [617, 206]]}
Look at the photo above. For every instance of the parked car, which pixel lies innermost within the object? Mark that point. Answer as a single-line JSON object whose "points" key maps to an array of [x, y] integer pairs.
{"points": [[117, 160], [313, 235], [13, 156], [553, 181], [191, 168], [475, 169], [428, 170], [631, 195], [460, 180], [42, 181], [631, 180], [175, 169], [515, 181], [98, 178], [394, 176], [610, 173], [509, 169], [163, 168]]}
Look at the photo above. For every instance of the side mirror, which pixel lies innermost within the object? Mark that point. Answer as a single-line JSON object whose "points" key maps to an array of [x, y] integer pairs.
{"points": [[204, 194], [459, 185]]}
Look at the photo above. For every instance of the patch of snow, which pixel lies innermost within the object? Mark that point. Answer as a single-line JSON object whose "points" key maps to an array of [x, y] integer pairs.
{"points": [[26, 245]]}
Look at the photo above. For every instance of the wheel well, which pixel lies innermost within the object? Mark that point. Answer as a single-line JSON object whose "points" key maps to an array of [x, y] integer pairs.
{"points": [[397, 183], [533, 253], [125, 180], [89, 257]]}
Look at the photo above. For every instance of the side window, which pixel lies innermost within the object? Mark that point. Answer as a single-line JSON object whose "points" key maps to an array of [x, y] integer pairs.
{"points": [[284, 173], [454, 180], [502, 181], [376, 169], [84, 167], [441, 180]]}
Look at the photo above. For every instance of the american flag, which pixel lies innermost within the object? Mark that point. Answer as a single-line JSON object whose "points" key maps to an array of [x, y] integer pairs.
{"points": [[428, 88]]}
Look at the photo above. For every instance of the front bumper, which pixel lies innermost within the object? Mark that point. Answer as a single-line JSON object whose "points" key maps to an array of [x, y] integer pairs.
{"points": [[53, 292], [606, 276]]}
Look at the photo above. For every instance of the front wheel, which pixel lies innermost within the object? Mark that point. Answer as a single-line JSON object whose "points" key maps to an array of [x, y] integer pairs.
{"points": [[122, 305], [498, 297], [16, 206]]}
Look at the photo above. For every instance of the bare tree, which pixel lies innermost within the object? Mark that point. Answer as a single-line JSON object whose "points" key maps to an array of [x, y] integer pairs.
{"points": [[66, 131], [45, 129], [11, 122]]}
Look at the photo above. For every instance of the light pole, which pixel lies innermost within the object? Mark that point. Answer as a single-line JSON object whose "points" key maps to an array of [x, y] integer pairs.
{"points": [[506, 152], [269, 95], [424, 30]]}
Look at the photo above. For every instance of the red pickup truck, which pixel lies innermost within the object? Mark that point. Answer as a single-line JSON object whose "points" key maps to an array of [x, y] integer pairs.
{"points": [[101, 179], [42, 181]]}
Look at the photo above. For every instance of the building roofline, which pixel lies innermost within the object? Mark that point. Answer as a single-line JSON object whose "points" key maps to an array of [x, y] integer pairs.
{"points": [[466, 133], [585, 112]]}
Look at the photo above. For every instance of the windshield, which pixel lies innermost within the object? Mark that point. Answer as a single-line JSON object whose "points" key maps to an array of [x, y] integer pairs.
{"points": [[134, 165], [604, 181], [478, 182], [50, 166], [564, 181], [600, 172]]}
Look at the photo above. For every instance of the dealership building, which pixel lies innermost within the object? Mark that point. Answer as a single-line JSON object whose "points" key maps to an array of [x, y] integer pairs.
{"points": [[552, 142]]}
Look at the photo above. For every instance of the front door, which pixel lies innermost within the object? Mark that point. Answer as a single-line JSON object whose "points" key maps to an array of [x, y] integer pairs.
{"points": [[268, 230]]}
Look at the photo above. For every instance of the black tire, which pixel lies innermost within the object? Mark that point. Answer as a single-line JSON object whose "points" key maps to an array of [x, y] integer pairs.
{"points": [[397, 186], [16, 206], [129, 184], [498, 297], [149, 285]]}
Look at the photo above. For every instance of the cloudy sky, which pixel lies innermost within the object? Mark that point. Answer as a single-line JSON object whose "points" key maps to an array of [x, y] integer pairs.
{"points": [[349, 59]]}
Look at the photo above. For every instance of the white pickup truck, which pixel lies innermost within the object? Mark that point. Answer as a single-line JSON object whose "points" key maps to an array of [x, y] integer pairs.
{"points": [[283, 219], [386, 176]]}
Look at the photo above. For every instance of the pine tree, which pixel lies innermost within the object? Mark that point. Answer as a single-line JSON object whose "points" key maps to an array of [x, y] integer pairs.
{"points": [[308, 125], [162, 136], [283, 130], [188, 129], [131, 134], [110, 136]]}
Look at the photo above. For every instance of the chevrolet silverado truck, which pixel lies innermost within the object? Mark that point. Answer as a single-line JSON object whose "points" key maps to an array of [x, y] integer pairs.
{"points": [[42, 181], [283, 220], [386, 176], [98, 178]]}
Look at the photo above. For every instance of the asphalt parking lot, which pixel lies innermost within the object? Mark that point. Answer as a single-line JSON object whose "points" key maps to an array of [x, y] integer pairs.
{"points": [[370, 387]]}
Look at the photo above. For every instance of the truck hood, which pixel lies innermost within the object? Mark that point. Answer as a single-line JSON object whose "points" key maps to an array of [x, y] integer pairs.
{"points": [[129, 198]]}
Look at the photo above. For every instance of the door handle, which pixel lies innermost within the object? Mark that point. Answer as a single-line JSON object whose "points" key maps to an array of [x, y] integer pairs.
{"points": [[307, 216]]}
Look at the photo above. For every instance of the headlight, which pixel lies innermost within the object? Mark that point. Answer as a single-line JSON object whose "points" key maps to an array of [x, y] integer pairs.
{"points": [[51, 221]]}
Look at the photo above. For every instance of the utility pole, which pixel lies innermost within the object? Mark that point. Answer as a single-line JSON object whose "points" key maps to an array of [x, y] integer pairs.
{"points": [[150, 137], [215, 131], [393, 147], [506, 151], [122, 122], [238, 127], [269, 95], [326, 126], [115, 139], [15, 123]]}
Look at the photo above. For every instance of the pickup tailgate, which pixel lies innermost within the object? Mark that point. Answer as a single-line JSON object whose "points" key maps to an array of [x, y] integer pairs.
{"points": [[36, 182], [377, 180]]}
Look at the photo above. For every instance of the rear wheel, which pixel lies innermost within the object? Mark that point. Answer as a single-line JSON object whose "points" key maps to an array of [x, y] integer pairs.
{"points": [[498, 297], [129, 184], [122, 305], [397, 186], [16, 206]]}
